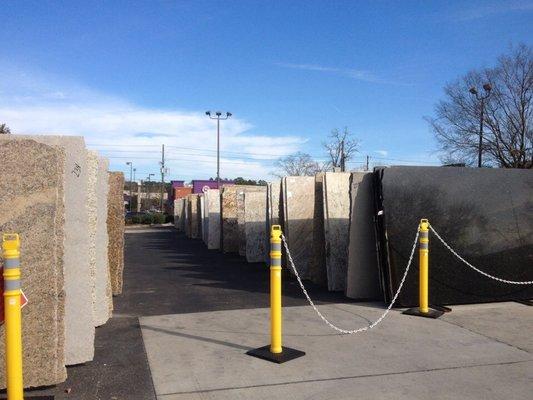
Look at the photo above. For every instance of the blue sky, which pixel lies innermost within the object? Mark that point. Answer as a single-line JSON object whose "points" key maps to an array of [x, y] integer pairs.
{"points": [[131, 75]]}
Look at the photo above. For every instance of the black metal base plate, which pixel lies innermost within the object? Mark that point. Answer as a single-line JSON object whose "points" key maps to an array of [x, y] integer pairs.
{"points": [[525, 302], [430, 314], [287, 354], [34, 398]]}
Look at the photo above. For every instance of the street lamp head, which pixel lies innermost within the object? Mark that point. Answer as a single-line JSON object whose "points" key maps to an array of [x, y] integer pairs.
{"points": [[128, 163], [473, 90], [487, 87], [228, 114], [218, 113], [208, 113]]}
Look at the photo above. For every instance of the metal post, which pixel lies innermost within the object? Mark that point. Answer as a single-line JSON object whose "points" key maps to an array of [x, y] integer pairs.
{"points": [[423, 309], [13, 317], [275, 352], [482, 103], [218, 152]]}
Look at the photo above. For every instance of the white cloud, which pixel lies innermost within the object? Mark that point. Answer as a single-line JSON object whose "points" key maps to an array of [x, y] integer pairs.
{"points": [[383, 153], [32, 104], [490, 10]]}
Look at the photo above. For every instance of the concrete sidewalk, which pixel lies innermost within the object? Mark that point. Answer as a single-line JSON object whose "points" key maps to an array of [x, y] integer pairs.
{"points": [[475, 352]]}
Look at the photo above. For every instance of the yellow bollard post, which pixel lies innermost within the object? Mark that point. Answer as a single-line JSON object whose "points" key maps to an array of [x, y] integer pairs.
{"points": [[423, 309], [12, 315], [275, 352], [275, 290]]}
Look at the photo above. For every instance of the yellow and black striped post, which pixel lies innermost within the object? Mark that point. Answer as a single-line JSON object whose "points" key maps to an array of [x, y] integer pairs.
{"points": [[12, 315], [423, 309], [275, 352]]}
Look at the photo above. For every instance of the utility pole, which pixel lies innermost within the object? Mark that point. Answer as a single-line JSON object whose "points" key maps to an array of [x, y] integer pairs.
{"points": [[481, 99], [218, 117], [131, 183], [148, 188], [162, 174], [367, 163]]}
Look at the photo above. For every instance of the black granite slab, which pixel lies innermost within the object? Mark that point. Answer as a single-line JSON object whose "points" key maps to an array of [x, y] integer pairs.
{"points": [[485, 214]]}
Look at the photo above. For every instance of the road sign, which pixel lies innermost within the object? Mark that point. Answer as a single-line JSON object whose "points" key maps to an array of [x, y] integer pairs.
{"points": [[23, 298]]}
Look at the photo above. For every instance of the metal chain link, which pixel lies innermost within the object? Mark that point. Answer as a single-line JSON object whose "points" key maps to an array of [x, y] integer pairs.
{"points": [[373, 324], [473, 267]]}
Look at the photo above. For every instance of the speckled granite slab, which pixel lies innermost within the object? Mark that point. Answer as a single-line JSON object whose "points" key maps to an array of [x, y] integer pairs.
{"points": [[336, 189], [92, 213], [104, 301], [212, 206], [362, 280], [272, 217], [79, 328], [298, 205], [32, 205], [254, 226], [179, 214], [194, 215], [115, 230], [240, 214], [186, 218]]}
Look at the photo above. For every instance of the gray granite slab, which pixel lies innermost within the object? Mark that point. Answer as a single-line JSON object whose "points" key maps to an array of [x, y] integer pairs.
{"points": [[194, 217], [336, 189], [317, 270], [255, 227], [115, 230], [32, 205], [362, 280], [272, 217]]}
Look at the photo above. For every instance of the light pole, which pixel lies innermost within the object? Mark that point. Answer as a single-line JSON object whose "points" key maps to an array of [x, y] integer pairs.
{"points": [[218, 117], [481, 99], [131, 183]]}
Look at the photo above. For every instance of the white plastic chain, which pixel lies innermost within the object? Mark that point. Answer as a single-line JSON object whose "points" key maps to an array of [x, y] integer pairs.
{"points": [[474, 268], [373, 324]]}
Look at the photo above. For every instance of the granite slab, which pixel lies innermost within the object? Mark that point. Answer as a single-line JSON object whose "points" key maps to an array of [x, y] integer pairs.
{"points": [[362, 281], [79, 328], [336, 191], [255, 227], [194, 216], [212, 201], [32, 205], [104, 302], [273, 202], [92, 216], [187, 218], [203, 219], [115, 230], [298, 207], [485, 214]]}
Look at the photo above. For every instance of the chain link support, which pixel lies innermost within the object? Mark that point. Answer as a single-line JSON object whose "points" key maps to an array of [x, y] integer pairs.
{"points": [[365, 328], [473, 267]]}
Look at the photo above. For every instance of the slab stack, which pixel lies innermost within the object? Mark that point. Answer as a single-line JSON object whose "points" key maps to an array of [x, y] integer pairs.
{"points": [[362, 280], [103, 295], [485, 214], [255, 227], [79, 327], [298, 218], [336, 192], [212, 209], [32, 205], [115, 230]]}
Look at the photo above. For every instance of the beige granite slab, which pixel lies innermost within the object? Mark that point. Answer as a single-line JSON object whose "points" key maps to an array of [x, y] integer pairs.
{"points": [[104, 298], [362, 280], [212, 206], [202, 219], [336, 189], [115, 230], [187, 218], [32, 205], [240, 214], [255, 226], [298, 206], [79, 328], [272, 217], [194, 216], [179, 214], [92, 213]]}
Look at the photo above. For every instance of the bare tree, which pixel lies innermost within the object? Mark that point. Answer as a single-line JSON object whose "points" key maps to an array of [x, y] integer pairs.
{"points": [[4, 129], [341, 147], [297, 164], [507, 117]]}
